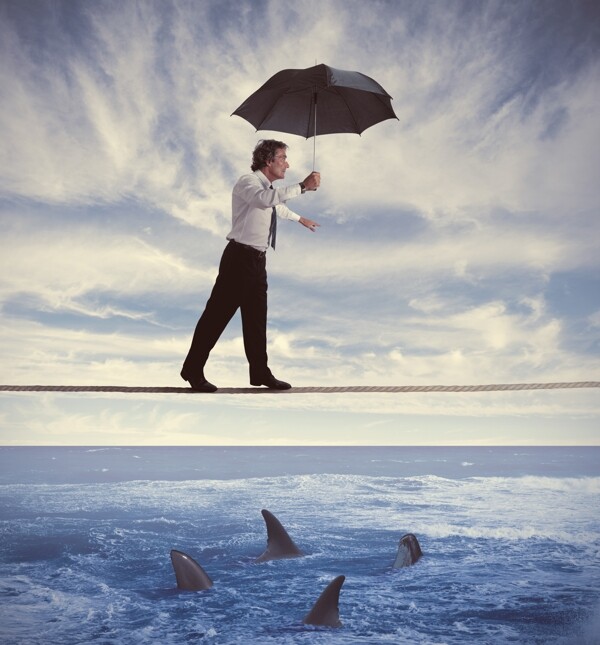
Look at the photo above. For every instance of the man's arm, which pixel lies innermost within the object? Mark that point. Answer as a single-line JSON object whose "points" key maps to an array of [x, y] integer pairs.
{"points": [[250, 189], [312, 182]]}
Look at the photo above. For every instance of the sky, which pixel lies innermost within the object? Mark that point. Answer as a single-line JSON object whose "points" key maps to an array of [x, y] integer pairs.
{"points": [[458, 244]]}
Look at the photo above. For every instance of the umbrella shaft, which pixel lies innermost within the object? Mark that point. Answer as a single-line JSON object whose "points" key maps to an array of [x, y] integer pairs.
{"points": [[315, 132]]}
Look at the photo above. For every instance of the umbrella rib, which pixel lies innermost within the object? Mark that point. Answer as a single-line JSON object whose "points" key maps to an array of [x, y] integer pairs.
{"points": [[350, 112], [274, 107], [268, 114], [382, 99]]}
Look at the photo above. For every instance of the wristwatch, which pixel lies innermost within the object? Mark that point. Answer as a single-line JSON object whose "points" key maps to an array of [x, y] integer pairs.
{"points": [[302, 187]]}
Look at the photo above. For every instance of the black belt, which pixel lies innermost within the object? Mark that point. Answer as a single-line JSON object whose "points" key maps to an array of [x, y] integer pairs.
{"points": [[247, 247]]}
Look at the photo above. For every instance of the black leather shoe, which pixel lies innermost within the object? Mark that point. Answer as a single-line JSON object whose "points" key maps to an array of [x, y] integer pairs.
{"points": [[271, 382], [198, 383]]}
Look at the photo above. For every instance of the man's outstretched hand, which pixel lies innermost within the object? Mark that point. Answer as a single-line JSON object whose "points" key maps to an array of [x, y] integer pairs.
{"points": [[309, 224]]}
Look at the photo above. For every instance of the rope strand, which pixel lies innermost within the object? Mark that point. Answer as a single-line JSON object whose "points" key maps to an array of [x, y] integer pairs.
{"points": [[391, 389]]}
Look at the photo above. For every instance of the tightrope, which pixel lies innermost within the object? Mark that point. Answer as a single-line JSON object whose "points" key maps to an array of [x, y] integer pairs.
{"points": [[371, 389]]}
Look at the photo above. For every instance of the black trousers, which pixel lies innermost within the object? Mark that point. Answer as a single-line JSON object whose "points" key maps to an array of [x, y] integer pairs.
{"points": [[241, 283]]}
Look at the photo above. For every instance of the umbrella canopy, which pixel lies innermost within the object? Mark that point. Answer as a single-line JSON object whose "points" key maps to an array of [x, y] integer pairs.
{"points": [[290, 100]]}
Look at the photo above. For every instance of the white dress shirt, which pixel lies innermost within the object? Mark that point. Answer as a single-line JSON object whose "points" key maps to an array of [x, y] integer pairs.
{"points": [[251, 207]]}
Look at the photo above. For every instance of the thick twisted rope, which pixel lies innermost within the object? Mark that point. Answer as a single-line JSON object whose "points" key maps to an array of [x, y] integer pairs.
{"points": [[392, 389]]}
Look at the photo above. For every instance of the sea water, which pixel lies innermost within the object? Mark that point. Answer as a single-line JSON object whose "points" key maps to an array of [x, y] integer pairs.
{"points": [[510, 538]]}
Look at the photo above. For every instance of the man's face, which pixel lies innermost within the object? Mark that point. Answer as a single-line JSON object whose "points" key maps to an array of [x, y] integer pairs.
{"points": [[278, 165]]}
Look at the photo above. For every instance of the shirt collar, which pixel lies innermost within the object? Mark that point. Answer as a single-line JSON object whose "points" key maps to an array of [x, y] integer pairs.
{"points": [[263, 179]]}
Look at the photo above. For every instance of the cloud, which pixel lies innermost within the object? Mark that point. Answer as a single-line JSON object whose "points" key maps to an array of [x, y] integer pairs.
{"points": [[318, 419], [75, 270], [460, 153]]}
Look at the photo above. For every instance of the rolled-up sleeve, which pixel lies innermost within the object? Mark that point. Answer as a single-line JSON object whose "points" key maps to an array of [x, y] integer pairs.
{"points": [[283, 211], [251, 190]]}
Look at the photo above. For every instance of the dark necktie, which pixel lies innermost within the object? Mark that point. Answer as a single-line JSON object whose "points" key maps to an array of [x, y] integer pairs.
{"points": [[272, 227]]}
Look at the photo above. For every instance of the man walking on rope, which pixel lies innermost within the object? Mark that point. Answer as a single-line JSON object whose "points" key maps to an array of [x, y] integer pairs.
{"points": [[242, 279]]}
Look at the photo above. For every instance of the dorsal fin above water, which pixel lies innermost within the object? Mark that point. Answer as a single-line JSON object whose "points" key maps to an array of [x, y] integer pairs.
{"points": [[189, 574], [279, 543], [325, 611]]}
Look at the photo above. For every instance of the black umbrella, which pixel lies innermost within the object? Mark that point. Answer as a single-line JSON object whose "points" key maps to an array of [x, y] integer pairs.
{"points": [[347, 102]]}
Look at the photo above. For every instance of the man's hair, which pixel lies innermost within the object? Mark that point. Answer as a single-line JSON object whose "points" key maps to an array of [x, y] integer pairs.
{"points": [[264, 152]]}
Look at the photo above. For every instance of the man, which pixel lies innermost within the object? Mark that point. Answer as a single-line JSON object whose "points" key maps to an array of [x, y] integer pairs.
{"points": [[242, 279]]}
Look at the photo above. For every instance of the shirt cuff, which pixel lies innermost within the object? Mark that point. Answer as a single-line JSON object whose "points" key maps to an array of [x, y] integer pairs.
{"points": [[293, 191]]}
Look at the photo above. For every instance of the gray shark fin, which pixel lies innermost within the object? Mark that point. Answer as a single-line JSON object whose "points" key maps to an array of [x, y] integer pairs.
{"points": [[189, 574], [279, 543], [326, 611]]}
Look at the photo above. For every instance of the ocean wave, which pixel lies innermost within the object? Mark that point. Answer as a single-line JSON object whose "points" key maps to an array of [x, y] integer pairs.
{"points": [[510, 533], [586, 485], [157, 520], [589, 485]]}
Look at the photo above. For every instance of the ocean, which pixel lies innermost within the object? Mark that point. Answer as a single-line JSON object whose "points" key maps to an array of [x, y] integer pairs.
{"points": [[510, 539]]}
